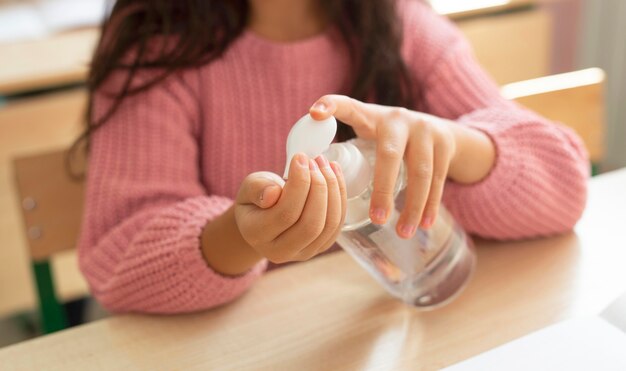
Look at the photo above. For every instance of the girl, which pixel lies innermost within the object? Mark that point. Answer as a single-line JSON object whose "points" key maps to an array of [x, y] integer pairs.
{"points": [[190, 99]]}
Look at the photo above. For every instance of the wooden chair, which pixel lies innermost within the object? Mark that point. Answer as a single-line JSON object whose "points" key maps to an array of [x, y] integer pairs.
{"points": [[27, 126], [575, 99], [51, 208]]}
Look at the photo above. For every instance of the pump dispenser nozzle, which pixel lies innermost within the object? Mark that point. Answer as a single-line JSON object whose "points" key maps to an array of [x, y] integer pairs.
{"points": [[315, 137], [311, 137]]}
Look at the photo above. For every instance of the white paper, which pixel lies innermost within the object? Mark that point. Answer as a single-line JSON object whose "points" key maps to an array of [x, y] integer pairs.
{"points": [[616, 313], [577, 344]]}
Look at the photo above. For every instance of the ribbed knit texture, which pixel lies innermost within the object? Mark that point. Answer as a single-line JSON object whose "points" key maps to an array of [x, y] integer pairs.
{"points": [[171, 159]]}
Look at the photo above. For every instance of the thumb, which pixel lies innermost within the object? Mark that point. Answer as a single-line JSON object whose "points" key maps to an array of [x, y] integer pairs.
{"points": [[262, 189]]}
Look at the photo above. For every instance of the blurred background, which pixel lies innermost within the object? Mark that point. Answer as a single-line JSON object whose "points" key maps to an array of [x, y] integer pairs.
{"points": [[564, 58]]}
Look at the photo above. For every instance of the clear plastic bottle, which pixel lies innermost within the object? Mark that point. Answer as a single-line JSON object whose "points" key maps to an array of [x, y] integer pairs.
{"points": [[426, 271]]}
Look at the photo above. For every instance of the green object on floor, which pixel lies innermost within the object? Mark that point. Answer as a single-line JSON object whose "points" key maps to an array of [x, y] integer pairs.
{"points": [[52, 313], [595, 169]]}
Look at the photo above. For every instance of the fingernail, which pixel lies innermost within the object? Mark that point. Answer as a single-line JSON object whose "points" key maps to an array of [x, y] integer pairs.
{"points": [[427, 222], [265, 192], [302, 160], [320, 107], [336, 167], [379, 215], [407, 230], [322, 161], [313, 165]]}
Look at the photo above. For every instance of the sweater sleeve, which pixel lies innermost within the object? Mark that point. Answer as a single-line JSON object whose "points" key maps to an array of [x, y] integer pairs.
{"points": [[146, 208], [537, 186]]}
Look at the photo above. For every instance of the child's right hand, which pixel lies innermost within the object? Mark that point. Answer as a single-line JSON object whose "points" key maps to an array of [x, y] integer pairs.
{"points": [[297, 221]]}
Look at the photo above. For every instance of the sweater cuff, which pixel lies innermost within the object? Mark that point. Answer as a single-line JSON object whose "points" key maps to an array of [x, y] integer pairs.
{"points": [[536, 186], [203, 280]]}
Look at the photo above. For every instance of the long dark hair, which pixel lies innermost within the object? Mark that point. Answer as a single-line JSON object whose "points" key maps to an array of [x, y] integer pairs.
{"points": [[204, 29]]}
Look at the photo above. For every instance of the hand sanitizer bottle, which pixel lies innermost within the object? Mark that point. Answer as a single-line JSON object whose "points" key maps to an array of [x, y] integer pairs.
{"points": [[426, 271]]}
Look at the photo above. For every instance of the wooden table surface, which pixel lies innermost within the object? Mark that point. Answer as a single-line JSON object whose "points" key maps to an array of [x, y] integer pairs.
{"points": [[328, 314], [63, 58], [58, 60]]}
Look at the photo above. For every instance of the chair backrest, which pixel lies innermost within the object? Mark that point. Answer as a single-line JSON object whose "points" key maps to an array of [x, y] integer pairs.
{"points": [[575, 99], [466, 9], [27, 126], [51, 200]]}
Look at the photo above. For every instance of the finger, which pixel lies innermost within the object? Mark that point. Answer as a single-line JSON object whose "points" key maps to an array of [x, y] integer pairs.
{"points": [[419, 174], [333, 211], [344, 206], [343, 190], [390, 146], [361, 116], [270, 196], [292, 199], [441, 164], [312, 219], [261, 189]]}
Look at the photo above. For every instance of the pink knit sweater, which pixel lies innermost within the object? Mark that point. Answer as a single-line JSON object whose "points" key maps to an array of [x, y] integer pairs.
{"points": [[170, 160]]}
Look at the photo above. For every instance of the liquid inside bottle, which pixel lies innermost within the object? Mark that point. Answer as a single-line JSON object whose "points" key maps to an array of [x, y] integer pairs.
{"points": [[426, 271]]}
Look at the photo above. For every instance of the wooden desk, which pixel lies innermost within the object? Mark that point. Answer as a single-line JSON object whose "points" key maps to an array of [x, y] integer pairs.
{"points": [[55, 61], [328, 314]]}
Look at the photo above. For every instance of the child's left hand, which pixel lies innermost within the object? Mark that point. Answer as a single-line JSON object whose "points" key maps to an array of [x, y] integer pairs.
{"points": [[434, 148]]}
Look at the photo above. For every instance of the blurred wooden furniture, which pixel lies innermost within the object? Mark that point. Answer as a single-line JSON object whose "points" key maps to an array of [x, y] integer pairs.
{"points": [[511, 46], [29, 126], [460, 9], [575, 99], [511, 39], [52, 202], [328, 314], [55, 61]]}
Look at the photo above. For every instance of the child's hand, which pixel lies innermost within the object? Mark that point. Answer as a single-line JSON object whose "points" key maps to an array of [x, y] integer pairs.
{"points": [[297, 221], [433, 148]]}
